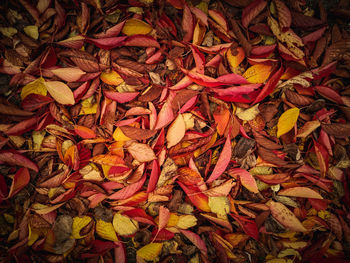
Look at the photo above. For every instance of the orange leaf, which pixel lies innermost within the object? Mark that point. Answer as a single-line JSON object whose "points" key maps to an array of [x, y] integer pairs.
{"points": [[258, 73], [176, 131], [141, 152], [84, 132], [111, 78], [235, 59]]}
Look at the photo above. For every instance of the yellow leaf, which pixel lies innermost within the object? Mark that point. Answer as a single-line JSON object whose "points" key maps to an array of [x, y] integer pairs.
{"points": [[32, 31], [235, 59], [111, 78], [135, 26], [258, 73], [106, 230], [150, 252], [287, 121], [186, 221], [124, 225], [35, 87], [219, 205], [88, 107], [78, 224], [33, 235]]}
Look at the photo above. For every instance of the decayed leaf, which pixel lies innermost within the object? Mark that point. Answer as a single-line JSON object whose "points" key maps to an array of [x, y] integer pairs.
{"points": [[283, 215], [300, 192], [287, 121], [141, 152], [60, 92], [124, 225], [105, 230], [176, 131]]}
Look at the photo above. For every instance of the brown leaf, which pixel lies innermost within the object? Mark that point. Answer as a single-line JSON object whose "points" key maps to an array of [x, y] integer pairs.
{"points": [[339, 130], [270, 157], [137, 133]]}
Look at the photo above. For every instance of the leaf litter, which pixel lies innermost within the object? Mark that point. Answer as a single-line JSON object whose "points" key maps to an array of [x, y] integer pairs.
{"points": [[174, 131]]}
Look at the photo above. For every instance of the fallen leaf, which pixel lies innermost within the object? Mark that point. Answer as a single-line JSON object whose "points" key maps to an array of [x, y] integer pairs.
{"points": [[287, 121], [60, 92]]}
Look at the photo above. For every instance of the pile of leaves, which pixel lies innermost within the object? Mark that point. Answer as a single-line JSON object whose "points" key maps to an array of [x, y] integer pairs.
{"points": [[174, 131]]}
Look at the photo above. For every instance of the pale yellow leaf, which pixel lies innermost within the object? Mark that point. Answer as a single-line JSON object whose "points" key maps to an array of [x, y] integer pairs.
{"points": [[60, 92], [219, 205], [186, 221], [150, 252], [106, 230], [135, 26], [35, 87], [176, 131], [78, 224], [32, 31], [88, 106], [287, 121], [248, 114], [124, 225]]}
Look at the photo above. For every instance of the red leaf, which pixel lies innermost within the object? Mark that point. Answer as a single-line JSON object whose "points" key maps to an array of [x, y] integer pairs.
{"points": [[84, 132], [329, 94], [20, 180], [111, 32], [23, 126], [269, 86], [120, 97], [262, 50], [162, 235], [153, 179], [141, 41], [187, 24], [129, 190], [33, 102], [107, 43], [314, 36], [249, 226], [252, 11], [196, 197], [12, 157], [223, 160], [246, 179]]}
